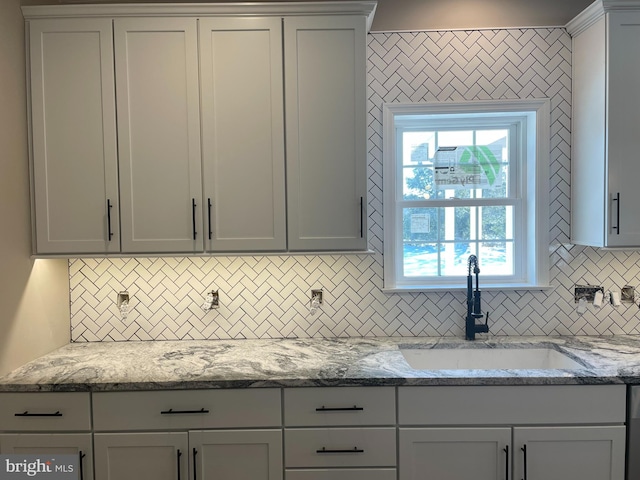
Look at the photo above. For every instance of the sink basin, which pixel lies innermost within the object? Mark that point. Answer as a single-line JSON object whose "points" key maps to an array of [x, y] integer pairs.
{"points": [[488, 359]]}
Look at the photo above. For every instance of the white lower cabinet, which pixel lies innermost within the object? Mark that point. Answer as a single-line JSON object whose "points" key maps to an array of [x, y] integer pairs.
{"points": [[560, 453], [571, 432], [52, 444], [460, 453], [132, 456], [219, 455]]}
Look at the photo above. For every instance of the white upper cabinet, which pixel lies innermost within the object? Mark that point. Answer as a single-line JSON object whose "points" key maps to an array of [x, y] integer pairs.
{"points": [[605, 141], [75, 171], [159, 134], [325, 98], [191, 128], [243, 133]]}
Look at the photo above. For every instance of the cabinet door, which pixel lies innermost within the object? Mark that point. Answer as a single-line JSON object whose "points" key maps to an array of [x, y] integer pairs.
{"points": [[559, 453], [623, 119], [325, 98], [455, 453], [75, 171], [243, 133], [236, 455], [135, 456], [52, 444], [159, 134]]}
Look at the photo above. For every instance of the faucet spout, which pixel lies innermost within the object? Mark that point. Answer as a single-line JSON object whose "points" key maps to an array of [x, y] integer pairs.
{"points": [[474, 305]]}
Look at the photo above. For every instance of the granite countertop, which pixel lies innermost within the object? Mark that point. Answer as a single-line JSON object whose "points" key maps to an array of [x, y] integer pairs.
{"points": [[307, 362]]}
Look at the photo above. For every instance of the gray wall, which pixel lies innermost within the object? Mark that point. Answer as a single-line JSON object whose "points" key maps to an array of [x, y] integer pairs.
{"points": [[34, 317]]}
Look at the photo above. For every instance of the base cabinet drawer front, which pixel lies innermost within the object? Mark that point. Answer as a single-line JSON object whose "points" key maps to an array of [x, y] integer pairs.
{"points": [[343, 474], [340, 447], [460, 453], [339, 406], [52, 444], [509, 405], [561, 453], [136, 456], [236, 454], [187, 409], [45, 411]]}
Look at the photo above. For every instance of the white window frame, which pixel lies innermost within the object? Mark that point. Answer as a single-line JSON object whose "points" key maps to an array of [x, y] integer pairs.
{"points": [[533, 183]]}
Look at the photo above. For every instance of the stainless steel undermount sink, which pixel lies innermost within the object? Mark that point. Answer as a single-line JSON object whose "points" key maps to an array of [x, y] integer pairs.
{"points": [[543, 358]]}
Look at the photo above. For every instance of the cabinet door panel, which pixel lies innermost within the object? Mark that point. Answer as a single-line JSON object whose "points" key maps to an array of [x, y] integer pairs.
{"points": [[243, 133], [159, 134], [559, 453], [623, 118], [52, 444], [326, 132], [135, 456], [74, 135], [455, 453], [237, 455]]}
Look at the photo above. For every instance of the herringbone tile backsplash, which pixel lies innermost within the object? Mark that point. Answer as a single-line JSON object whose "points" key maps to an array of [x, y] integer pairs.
{"points": [[268, 296]]}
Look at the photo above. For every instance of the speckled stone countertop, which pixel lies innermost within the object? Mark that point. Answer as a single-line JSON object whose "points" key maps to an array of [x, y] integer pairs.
{"points": [[307, 362]]}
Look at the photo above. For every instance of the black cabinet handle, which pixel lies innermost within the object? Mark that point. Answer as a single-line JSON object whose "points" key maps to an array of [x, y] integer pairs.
{"points": [[109, 207], [27, 414], [617, 200], [171, 411], [506, 457], [193, 216], [339, 409], [180, 455], [524, 449], [361, 217], [80, 457], [353, 450], [195, 465], [209, 217]]}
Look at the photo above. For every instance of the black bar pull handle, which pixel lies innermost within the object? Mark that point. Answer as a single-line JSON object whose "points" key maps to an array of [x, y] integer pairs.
{"points": [[353, 450], [339, 409], [617, 226], [27, 414], [195, 465], [361, 217], [506, 458], [209, 217], [171, 411], [180, 455], [109, 207], [193, 217], [80, 457], [524, 449]]}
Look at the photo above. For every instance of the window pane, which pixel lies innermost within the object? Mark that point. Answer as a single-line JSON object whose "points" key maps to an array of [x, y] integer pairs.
{"points": [[496, 258], [454, 258], [497, 223], [420, 259], [418, 183], [418, 147]]}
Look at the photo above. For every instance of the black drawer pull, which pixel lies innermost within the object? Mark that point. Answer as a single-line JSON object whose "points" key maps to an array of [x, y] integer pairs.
{"points": [[171, 411], [354, 450], [80, 457], [339, 409], [27, 414]]}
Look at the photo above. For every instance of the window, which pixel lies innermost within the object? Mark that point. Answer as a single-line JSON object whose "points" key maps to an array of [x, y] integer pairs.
{"points": [[462, 179]]}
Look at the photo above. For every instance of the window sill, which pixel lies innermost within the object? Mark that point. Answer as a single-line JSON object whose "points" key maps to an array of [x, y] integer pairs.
{"points": [[462, 288]]}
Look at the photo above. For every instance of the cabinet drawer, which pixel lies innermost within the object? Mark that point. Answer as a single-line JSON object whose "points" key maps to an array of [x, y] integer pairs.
{"points": [[346, 474], [45, 411], [340, 447], [340, 406], [113, 411], [529, 404]]}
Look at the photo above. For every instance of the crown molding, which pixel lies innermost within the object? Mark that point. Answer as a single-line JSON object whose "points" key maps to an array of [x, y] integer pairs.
{"points": [[595, 11], [283, 9]]}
